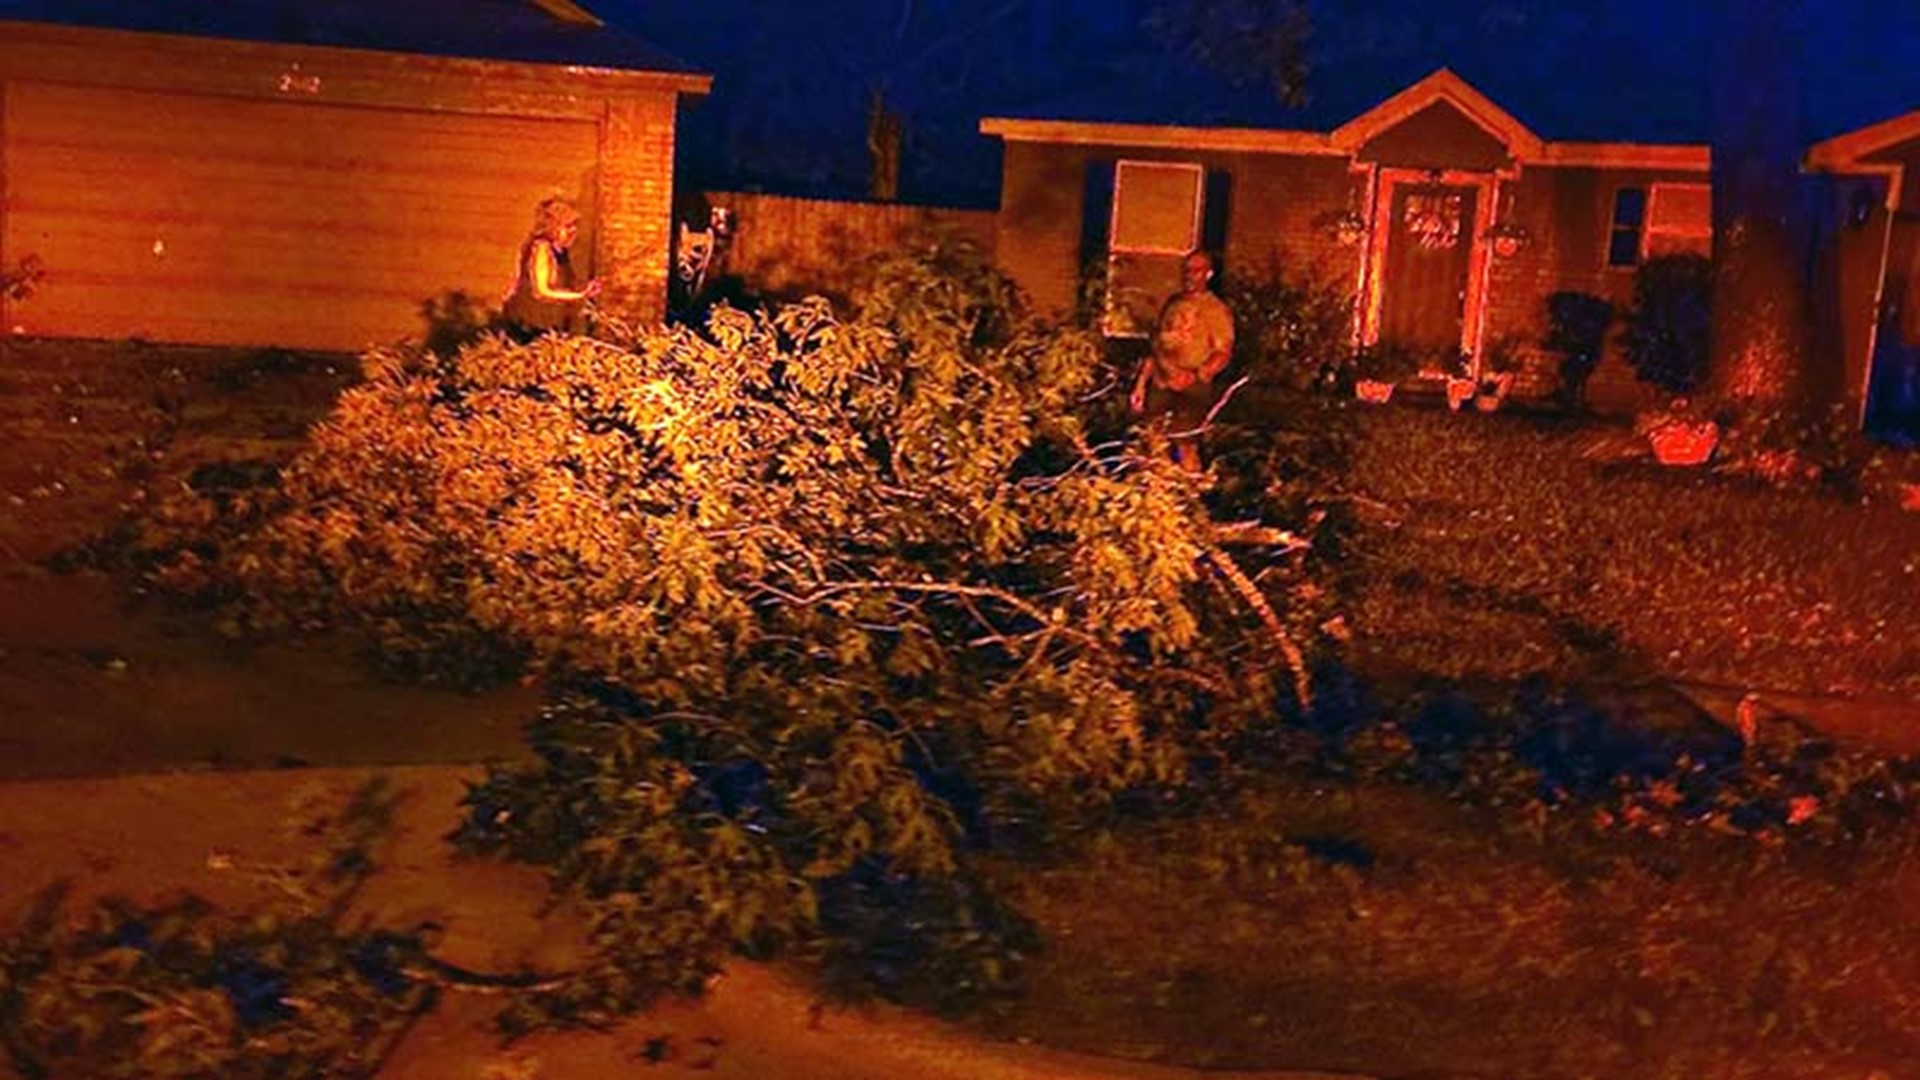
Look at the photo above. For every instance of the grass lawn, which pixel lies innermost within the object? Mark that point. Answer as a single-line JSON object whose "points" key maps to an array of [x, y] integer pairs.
{"points": [[1375, 923], [1379, 928], [1496, 549]]}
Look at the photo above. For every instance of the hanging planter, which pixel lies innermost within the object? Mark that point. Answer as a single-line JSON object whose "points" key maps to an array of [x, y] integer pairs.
{"points": [[1509, 239]]}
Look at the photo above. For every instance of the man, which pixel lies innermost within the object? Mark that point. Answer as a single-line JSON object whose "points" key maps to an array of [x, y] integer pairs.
{"points": [[1191, 345]]}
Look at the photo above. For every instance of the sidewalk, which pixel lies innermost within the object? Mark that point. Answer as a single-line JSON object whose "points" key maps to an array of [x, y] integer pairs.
{"points": [[151, 836], [1882, 722]]}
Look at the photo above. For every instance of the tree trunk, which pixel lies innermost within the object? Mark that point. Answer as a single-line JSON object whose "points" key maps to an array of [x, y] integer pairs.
{"points": [[885, 135], [1760, 363]]}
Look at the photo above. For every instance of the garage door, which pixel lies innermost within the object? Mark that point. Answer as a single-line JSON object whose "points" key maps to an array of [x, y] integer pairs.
{"points": [[211, 220]]}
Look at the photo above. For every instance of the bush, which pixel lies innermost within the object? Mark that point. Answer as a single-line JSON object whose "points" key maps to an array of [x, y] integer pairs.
{"points": [[1384, 362], [1577, 325], [1292, 329], [1667, 328]]}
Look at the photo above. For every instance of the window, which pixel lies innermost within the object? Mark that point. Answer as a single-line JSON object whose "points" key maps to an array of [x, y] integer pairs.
{"points": [[1629, 219], [1156, 221], [1661, 219], [1679, 219]]}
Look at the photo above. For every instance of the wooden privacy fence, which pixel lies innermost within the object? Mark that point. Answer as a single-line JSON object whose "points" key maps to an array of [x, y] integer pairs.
{"points": [[788, 245]]}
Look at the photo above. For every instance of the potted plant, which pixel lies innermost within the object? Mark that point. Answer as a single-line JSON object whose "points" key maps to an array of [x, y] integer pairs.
{"points": [[1681, 435], [1497, 369], [1460, 390], [1377, 369], [1457, 379]]}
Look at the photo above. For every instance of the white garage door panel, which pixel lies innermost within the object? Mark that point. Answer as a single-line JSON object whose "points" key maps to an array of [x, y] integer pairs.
{"points": [[201, 219]]}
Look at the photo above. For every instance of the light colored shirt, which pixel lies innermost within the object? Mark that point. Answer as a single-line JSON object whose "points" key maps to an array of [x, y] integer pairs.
{"points": [[1193, 327]]}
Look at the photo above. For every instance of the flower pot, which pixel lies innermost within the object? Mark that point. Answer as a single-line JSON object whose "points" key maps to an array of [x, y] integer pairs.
{"points": [[1488, 402], [1458, 391], [1681, 443], [1373, 391]]}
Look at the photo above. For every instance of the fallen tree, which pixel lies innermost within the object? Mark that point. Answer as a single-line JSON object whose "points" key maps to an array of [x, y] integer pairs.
{"points": [[827, 597]]}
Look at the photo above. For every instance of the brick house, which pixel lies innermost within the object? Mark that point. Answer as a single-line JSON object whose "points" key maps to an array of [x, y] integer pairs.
{"points": [[308, 174], [1451, 219]]}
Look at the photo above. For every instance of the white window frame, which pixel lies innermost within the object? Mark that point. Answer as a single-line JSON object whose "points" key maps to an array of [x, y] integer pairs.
{"points": [[1115, 249]]}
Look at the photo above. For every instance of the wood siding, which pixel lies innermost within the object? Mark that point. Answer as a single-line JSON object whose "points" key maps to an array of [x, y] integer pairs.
{"points": [[784, 245], [176, 217]]}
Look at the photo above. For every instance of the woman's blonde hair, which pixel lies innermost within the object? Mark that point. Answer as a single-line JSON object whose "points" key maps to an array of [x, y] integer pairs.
{"points": [[551, 216]]}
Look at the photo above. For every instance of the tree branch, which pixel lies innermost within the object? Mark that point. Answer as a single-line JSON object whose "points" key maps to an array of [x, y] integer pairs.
{"points": [[1296, 661]]}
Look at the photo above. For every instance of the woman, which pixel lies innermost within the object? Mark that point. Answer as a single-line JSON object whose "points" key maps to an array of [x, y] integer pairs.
{"points": [[543, 298]]}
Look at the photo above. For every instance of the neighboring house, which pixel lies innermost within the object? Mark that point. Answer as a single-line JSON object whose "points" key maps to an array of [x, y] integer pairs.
{"points": [[1873, 268], [1451, 219], [310, 173]]}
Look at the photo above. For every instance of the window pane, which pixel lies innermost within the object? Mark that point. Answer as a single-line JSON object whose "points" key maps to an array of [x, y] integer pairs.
{"points": [[1681, 208], [1156, 207], [1629, 207], [1625, 248], [1678, 244]]}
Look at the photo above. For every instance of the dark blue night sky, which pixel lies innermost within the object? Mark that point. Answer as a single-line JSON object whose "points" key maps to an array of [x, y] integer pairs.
{"points": [[791, 79]]}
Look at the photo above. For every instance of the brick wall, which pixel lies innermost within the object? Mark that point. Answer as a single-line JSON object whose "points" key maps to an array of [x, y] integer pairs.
{"points": [[1567, 213], [635, 205], [1279, 207], [1037, 235], [1282, 207]]}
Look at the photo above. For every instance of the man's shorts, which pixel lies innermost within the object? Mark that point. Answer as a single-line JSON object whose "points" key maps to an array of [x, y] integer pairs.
{"points": [[1185, 410]]}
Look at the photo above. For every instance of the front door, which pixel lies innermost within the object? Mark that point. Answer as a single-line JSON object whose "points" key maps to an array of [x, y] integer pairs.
{"points": [[1424, 279], [1893, 388]]}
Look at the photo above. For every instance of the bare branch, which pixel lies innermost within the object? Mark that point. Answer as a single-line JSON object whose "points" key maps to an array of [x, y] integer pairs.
{"points": [[1296, 661]]}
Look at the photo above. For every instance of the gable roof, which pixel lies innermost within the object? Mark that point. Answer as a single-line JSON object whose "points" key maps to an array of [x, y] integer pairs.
{"points": [[1441, 87], [524, 31], [1864, 152], [1856, 149]]}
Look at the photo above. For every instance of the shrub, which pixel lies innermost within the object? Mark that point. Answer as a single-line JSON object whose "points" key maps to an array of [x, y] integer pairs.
{"points": [[1667, 328], [1293, 329], [1385, 362], [1577, 325]]}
